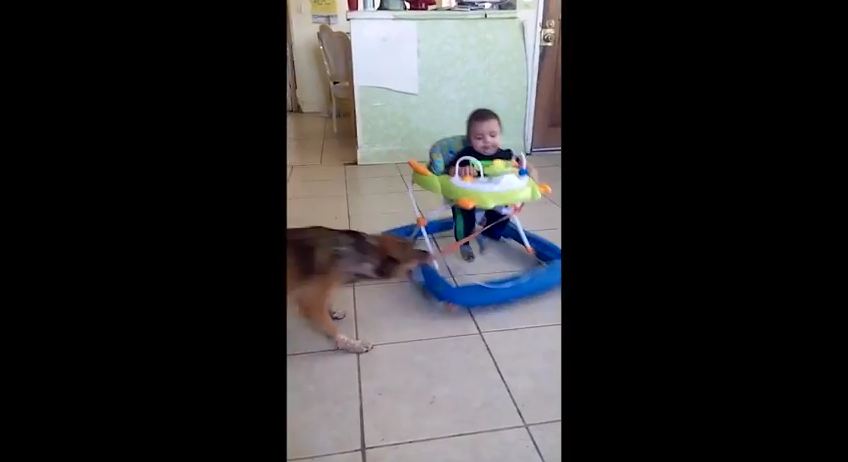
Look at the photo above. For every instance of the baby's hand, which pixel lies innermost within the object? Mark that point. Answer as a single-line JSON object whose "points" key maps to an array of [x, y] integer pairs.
{"points": [[467, 171]]}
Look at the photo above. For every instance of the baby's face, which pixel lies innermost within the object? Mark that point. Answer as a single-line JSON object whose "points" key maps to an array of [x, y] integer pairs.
{"points": [[486, 136]]}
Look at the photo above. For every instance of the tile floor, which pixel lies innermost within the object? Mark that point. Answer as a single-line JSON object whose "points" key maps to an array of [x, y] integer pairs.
{"points": [[439, 385]]}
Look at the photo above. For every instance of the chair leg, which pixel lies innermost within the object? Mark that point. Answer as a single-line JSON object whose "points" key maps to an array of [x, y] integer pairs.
{"points": [[335, 115], [353, 116]]}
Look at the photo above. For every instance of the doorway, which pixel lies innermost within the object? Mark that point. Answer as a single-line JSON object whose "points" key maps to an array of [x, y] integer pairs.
{"points": [[547, 115]]}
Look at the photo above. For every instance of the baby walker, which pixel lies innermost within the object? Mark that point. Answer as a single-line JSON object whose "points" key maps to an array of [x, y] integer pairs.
{"points": [[504, 186], [506, 189]]}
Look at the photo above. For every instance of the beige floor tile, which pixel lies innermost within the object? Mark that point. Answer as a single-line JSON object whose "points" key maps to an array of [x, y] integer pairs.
{"points": [[338, 152], [344, 127], [432, 388], [303, 151], [544, 160], [370, 171], [395, 202], [551, 174], [429, 201], [326, 188], [302, 337], [498, 257], [407, 180], [556, 193], [398, 202], [376, 223], [400, 312], [305, 126], [348, 457], [318, 173], [553, 235], [549, 438], [317, 211], [378, 185], [541, 214], [541, 310], [531, 363], [322, 398]]}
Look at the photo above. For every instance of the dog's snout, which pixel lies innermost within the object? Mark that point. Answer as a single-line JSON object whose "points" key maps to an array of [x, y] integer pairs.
{"points": [[424, 256]]}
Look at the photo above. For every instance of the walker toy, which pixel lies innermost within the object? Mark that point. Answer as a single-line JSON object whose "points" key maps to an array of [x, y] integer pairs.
{"points": [[502, 185]]}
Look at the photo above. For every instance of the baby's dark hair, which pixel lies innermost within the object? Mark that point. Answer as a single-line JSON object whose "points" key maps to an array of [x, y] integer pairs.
{"points": [[480, 115]]}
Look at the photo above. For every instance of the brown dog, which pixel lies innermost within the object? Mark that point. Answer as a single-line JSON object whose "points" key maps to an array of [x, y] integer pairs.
{"points": [[320, 259]]}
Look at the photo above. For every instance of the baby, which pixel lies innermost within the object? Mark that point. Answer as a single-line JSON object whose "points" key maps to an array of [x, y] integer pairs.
{"points": [[484, 133]]}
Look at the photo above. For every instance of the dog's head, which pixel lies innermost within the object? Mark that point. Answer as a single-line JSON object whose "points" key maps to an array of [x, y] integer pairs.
{"points": [[398, 256]]}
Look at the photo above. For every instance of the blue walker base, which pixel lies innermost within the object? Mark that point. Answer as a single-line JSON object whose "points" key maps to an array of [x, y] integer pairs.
{"points": [[495, 292]]}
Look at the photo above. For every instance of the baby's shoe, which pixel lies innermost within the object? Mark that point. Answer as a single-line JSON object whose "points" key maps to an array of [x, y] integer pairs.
{"points": [[466, 252]]}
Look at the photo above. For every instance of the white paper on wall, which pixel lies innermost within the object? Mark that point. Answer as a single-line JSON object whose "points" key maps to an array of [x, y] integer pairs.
{"points": [[385, 54]]}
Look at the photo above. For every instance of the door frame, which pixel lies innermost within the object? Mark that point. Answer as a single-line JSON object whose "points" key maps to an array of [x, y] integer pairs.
{"points": [[534, 77], [291, 74]]}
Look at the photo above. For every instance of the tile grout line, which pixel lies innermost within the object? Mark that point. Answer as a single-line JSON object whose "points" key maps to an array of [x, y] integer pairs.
{"points": [[295, 459], [459, 435], [424, 440], [456, 435], [359, 384], [356, 335], [508, 391], [401, 342], [544, 422], [301, 353], [536, 445], [507, 329]]}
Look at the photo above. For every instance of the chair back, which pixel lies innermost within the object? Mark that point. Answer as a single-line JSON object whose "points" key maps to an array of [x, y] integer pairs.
{"points": [[444, 151], [336, 51]]}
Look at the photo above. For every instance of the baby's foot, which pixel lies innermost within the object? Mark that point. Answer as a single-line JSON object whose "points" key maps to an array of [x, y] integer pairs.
{"points": [[466, 252], [484, 241], [481, 242]]}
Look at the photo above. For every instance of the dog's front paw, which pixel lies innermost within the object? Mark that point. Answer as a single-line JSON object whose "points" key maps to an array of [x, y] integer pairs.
{"points": [[337, 314], [352, 345]]}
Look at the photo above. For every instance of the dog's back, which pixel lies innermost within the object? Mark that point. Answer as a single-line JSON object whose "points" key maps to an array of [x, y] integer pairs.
{"points": [[346, 255], [319, 259], [318, 251]]}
